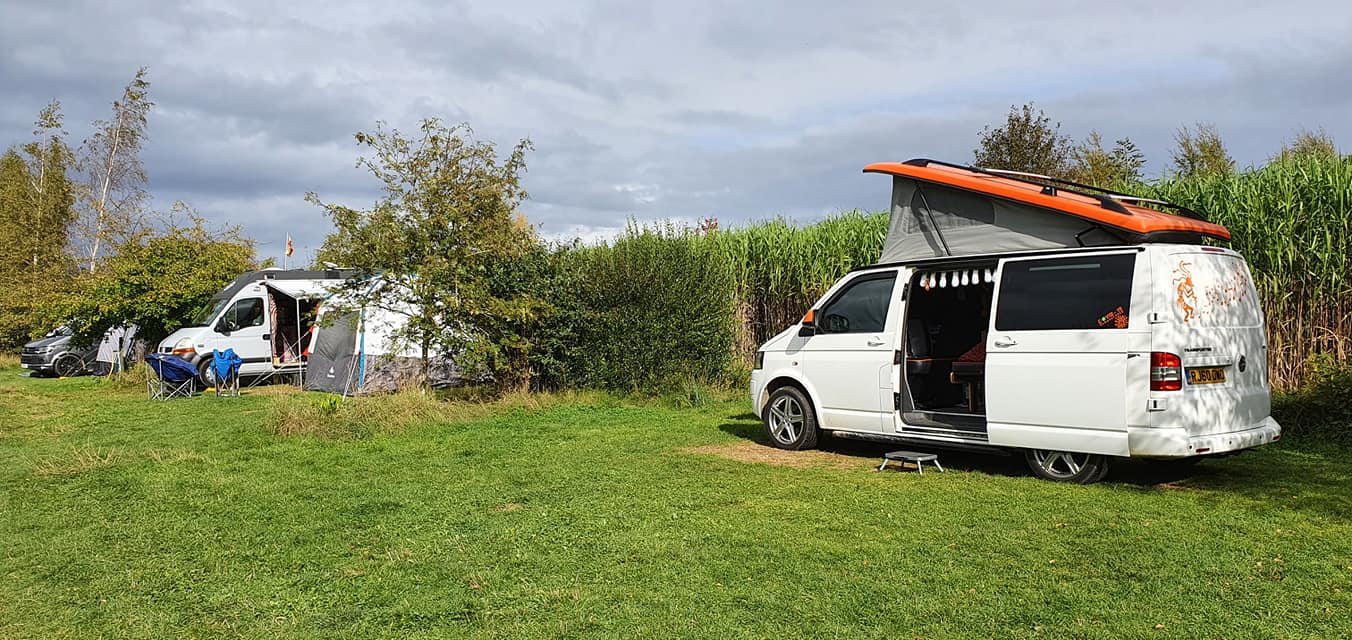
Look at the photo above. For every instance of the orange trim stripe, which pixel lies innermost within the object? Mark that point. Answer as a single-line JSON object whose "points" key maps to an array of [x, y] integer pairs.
{"points": [[1141, 220]]}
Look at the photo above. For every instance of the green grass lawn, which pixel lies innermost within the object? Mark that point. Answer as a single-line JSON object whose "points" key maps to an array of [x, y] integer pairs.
{"points": [[123, 518]]}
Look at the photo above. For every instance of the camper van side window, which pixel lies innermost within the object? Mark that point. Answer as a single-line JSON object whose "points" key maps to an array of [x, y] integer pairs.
{"points": [[1066, 293], [860, 308], [245, 313]]}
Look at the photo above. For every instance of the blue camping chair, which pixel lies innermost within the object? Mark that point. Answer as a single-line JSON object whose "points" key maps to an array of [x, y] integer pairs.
{"points": [[173, 377], [225, 367]]}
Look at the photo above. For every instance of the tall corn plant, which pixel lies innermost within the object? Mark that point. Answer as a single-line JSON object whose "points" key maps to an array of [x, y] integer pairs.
{"points": [[1292, 220]]}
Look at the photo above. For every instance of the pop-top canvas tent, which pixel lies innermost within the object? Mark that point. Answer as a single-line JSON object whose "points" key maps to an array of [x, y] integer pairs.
{"points": [[945, 210], [355, 350]]}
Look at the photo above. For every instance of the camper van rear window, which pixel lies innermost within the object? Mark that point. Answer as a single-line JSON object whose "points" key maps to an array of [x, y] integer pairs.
{"points": [[1066, 293]]}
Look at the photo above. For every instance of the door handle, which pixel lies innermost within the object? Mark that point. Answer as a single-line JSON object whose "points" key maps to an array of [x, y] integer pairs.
{"points": [[1005, 341], [874, 342], [267, 336]]}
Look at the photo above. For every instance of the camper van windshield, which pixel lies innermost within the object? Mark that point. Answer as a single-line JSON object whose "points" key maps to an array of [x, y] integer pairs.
{"points": [[210, 311]]}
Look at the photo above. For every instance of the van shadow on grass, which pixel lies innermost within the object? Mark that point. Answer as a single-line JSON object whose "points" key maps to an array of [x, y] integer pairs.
{"points": [[1302, 475], [849, 453]]}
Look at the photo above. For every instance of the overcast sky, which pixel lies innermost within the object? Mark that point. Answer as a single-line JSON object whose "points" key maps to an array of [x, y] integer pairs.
{"points": [[739, 111]]}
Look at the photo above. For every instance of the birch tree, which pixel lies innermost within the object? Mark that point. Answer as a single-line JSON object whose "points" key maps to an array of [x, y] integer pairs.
{"points": [[113, 194], [50, 198]]}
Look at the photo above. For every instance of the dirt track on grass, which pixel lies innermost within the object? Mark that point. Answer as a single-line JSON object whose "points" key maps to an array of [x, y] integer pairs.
{"points": [[760, 452]]}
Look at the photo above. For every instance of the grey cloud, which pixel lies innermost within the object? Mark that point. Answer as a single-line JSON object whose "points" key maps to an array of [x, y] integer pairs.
{"points": [[660, 110]]}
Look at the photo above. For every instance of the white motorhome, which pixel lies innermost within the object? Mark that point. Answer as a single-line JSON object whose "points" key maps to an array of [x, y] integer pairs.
{"points": [[1017, 312], [265, 316]]}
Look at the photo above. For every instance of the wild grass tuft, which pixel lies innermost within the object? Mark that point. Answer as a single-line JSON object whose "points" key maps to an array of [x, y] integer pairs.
{"points": [[78, 461], [332, 417]]}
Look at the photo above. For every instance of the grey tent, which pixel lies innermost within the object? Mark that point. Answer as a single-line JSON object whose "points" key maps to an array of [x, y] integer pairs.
{"points": [[355, 350]]}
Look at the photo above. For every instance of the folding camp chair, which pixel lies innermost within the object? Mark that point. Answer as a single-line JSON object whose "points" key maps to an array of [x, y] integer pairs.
{"points": [[171, 377], [225, 367]]}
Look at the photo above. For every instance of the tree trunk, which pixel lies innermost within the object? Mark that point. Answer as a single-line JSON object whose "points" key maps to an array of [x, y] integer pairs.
{"points": [[101, 207], [39, 188], [426, 364]]}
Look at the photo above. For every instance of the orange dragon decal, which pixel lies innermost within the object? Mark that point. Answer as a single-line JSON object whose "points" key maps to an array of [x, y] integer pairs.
{"points": [[1187, 295]]}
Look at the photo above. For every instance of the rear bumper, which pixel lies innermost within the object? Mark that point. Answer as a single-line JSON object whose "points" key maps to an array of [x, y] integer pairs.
{"points": [[1152, 442]]}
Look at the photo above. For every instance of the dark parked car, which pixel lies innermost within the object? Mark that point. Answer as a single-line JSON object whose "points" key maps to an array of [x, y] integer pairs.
{"points": [[54, 355]]}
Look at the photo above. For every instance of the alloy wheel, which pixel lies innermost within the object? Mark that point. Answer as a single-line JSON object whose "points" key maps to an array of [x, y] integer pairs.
{"points": [[786, 420]]}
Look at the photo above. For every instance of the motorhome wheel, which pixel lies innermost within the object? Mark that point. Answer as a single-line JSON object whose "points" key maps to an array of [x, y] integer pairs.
{"points": [[205, 376]]}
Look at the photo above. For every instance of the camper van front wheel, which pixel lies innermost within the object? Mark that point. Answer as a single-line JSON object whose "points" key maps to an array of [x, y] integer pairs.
{"points": [[1065, 466], [789, 419]]}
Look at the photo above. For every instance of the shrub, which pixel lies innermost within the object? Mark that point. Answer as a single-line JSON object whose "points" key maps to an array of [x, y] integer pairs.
{"points": [[1320, 409]]}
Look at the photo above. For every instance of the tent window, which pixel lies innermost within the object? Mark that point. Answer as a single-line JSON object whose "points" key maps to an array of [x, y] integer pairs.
{"points": [[952, 208], [1065, 293]]}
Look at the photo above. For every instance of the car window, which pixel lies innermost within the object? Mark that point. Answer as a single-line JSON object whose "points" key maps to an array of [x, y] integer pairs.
{"points": [[245, 313], [1092, 292], [861, 307]]}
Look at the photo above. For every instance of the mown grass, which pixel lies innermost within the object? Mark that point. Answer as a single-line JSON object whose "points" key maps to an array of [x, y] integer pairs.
{"points": [[600, 517]]}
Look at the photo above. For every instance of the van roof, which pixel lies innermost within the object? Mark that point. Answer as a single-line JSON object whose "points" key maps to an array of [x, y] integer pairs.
{"points": [[1108, 208], [250, 277], [986, 259]]}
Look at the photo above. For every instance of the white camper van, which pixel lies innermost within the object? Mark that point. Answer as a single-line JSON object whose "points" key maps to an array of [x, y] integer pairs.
{"points": [[265, 316], [1018, 312]]}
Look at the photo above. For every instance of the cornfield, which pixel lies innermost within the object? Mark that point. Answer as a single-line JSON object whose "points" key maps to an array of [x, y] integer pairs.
{"points": [[1291, 219]]}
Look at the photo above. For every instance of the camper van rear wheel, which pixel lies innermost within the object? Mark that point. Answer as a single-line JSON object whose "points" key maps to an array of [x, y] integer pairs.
{"points": [[790, 420], [1066, 466], [67, 365]]}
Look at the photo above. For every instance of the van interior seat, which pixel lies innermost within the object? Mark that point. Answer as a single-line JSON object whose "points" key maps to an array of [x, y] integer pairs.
{"points": [[920, 357]]}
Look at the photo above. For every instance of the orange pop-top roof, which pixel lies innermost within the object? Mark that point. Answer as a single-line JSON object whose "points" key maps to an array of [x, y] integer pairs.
{"points": [[1140, 220]]}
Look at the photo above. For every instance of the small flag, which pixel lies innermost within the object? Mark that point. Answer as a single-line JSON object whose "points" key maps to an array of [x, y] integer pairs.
{"points": [[289, 248]]}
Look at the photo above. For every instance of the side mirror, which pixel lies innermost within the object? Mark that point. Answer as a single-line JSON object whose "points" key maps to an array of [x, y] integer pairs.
{"points": [[222, 327], [809, 325]]}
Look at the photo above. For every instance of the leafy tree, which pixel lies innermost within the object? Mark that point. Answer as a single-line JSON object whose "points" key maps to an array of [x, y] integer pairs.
{"points": [[443, 240], [114, 192], [1094, 165], [1028, 141], [158, 282], [1309, 144], [1201, 152], [50, 195], [36, 209]]}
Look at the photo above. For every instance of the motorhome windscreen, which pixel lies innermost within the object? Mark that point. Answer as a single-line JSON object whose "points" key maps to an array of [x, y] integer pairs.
{"points": [[209, 312], [1092, 292]]}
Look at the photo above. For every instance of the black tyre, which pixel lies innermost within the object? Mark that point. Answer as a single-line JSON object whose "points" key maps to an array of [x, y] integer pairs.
{"points": [[1065, 466], [206, 378], [790, 420], [68, 365]]}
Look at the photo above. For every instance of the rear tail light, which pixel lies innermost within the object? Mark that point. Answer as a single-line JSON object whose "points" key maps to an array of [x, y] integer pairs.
{"points": [[1166, 372]]}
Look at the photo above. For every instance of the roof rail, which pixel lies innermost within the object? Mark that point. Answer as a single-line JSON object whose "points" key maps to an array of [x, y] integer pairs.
{"points": [[1107, 198]]}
